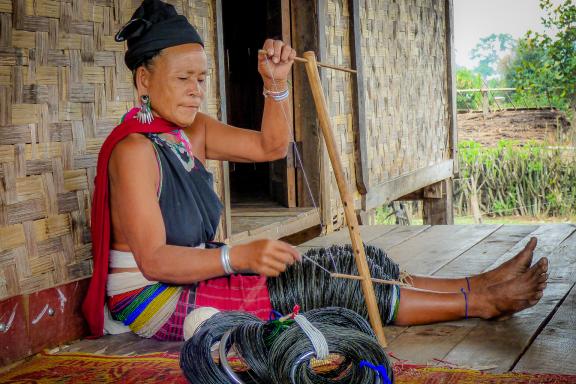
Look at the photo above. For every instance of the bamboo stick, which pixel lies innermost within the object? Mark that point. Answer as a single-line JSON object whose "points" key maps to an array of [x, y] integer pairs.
{"points": [[351, 220], [374, 280], [303, 60]]}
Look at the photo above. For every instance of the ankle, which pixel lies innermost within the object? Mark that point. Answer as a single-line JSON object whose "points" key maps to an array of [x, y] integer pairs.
{"points": [[479, 304], [479, 282]]}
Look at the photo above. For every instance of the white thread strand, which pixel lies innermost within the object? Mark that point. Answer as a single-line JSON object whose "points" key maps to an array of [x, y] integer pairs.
{"points": [[316, 337], [299, 159], [316, 264]]}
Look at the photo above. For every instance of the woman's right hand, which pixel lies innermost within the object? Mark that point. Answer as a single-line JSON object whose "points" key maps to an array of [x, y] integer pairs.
{"points": [[264, 257]]}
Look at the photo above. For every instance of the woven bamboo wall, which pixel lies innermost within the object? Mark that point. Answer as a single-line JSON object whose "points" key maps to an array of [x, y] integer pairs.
{"points": [[63, 88], [404, 59], [338, 89]]}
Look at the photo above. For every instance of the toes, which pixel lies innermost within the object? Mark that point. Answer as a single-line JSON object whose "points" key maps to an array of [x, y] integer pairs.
{"points": [[543, 278], [536, 298], [543, 262], [532, 244], [535, 270], [542, 286]]}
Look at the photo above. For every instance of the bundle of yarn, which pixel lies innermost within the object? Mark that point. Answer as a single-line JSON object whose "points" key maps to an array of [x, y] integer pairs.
{"points": [[327, 345]]}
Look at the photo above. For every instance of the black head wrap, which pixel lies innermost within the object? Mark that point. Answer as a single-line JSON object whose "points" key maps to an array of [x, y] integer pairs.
{"points": [[154, 26]]}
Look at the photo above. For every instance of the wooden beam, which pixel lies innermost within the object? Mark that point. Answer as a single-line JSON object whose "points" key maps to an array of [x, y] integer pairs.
{"points": [[323, 65], [391, 190], [451, 84], [434, 191], [438, 209], [304, 37], [347, 201], [361, 151], [288, 163], [417, 195], [223, 116], [325, 176], [278, 230]]}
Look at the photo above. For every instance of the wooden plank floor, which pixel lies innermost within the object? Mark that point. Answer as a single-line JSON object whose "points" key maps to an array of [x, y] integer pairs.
{"points": [[540, 339], [269, 220]]}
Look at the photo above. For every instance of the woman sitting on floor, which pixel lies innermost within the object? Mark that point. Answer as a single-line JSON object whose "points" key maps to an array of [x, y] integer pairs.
{"points": [[155, 213]]}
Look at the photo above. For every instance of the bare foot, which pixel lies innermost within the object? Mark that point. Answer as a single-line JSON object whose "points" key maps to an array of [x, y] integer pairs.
{"points": [[510, 269], [511, 296]]}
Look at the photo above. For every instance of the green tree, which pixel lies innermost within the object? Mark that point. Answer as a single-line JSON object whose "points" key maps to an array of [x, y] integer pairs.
{"points": [[546, 62], [467, 79], [488, 52]]}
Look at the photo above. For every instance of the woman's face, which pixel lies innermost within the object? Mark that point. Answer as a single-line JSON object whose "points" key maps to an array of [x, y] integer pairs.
{"points": [[175, 83]]}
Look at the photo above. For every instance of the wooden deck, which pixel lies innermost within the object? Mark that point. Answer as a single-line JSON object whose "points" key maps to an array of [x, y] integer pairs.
{"points": [[269, 220], [540, 339]]}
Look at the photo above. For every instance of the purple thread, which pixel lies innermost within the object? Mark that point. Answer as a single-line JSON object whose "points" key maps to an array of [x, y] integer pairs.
{"points": [[466, 301], [380, 370], [274, 315], [468, 282]]}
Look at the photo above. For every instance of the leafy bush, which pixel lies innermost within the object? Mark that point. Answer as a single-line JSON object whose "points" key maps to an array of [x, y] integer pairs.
{"points": [[514, 179]]}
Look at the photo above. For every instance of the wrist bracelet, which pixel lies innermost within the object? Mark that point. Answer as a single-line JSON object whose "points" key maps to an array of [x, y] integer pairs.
{"points": [[276, 95], [225, 259]]}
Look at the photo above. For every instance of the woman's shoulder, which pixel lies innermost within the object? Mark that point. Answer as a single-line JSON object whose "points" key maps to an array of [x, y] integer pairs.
{"points": [[134, 142], [134, 149]]}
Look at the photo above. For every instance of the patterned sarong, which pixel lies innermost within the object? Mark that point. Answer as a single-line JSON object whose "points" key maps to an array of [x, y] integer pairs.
{"points": [[158, 310], [145, 310]]}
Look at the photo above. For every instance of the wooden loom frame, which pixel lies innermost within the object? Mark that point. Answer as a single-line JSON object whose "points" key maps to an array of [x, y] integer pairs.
{"points": [[309, 60]]}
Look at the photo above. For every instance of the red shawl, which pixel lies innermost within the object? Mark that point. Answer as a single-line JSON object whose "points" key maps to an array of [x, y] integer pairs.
{"points": [[93, 306]]}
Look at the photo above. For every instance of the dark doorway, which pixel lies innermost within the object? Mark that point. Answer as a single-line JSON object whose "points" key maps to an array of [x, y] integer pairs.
{"points": [[245, 28]]}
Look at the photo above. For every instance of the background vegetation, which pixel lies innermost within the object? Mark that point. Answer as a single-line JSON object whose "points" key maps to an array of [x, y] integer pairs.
{"points": [[512, 179], [540, 66]]}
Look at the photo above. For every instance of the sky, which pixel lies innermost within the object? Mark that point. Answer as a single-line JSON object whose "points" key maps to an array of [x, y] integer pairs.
{"points": [[474, 19]]}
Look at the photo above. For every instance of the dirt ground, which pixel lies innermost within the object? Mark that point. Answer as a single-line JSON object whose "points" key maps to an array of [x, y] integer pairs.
{"points": [[547, 125]]}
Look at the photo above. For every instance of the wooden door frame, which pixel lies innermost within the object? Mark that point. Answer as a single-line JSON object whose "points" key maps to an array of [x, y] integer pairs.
{"points": [[291, 175], [223, 116], [305, 37]]}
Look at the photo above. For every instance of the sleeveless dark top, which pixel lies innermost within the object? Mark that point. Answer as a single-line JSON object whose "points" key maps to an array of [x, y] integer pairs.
{"points": [[190, 207]]}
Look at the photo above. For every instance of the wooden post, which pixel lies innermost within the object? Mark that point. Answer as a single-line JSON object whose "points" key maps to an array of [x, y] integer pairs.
{"points": [[485, 103], [349, 211], [437, 206]]}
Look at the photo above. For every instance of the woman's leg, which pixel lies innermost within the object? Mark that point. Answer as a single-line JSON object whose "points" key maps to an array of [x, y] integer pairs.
{"points": [[419, 306], [508, 289], [508, 270]]}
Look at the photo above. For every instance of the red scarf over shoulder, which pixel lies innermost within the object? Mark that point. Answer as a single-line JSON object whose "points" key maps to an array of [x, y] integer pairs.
{"points": [[93, 305]]}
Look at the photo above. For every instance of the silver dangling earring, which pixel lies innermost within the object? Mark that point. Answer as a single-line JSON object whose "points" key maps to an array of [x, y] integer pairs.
{"points": [[144, 115]]}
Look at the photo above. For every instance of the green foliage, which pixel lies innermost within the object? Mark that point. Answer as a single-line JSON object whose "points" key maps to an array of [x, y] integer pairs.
{"points": [[530, 179], [488, 52], [467, 79], [544, 64]]}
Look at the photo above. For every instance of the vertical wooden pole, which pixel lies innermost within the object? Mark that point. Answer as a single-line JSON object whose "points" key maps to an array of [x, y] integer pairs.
{"points": [[349, 211], [438, 201], [223, 116]]}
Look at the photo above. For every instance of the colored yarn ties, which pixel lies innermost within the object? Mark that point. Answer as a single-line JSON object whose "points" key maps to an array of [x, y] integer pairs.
{"points": [[378, 368], [465, 302], [281, 352]]}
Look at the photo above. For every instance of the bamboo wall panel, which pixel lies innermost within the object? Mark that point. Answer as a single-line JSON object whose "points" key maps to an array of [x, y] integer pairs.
{"points": [[404, 59], [405, 88], [339, 93], [63, 87]]}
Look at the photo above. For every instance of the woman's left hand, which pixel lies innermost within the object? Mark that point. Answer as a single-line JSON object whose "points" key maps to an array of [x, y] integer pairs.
{"points": [[275, 66]]}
